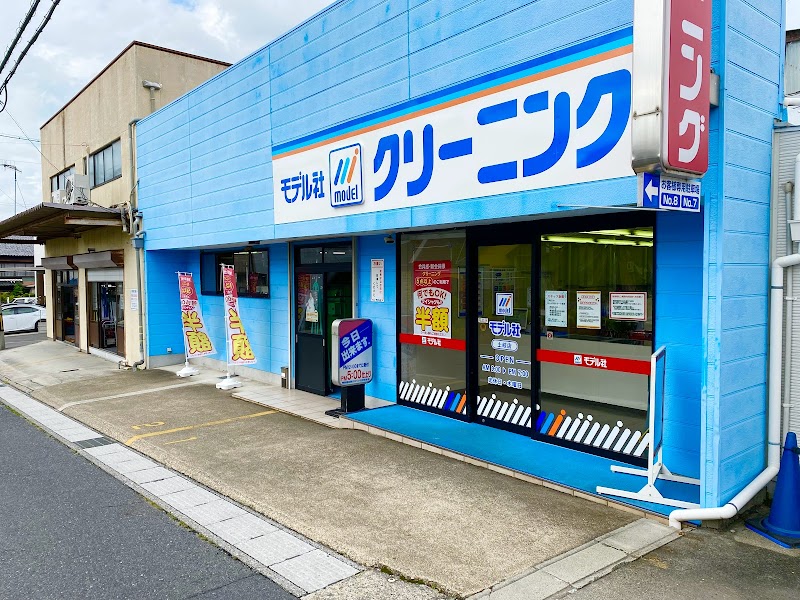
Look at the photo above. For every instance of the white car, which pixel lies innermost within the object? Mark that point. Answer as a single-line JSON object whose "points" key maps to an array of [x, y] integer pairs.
{"points": [[23, 317]]}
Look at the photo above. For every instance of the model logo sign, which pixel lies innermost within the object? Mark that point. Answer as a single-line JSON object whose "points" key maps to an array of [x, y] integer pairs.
{"points": [[551, 121], [686, 105], [347, 184], [504, 304]]}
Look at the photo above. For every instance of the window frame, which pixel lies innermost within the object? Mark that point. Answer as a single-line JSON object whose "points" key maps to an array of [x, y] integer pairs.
{"points": [[114, 147], [65, 173], [218, 257]]}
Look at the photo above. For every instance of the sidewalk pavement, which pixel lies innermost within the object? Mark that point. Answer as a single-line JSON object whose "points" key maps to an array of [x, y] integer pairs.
{"points": [[460, 528]]}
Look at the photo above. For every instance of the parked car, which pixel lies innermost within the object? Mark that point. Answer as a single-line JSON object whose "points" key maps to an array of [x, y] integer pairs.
{"points": [[24, 317], [24, 300]]}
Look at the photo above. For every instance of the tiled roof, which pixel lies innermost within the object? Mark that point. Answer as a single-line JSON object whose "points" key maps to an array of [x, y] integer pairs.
{"points": [[12, 249]]}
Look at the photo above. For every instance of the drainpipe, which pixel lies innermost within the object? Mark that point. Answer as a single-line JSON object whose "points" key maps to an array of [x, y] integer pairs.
{"points": [[738, 502], [792, 207], [137, 235]]}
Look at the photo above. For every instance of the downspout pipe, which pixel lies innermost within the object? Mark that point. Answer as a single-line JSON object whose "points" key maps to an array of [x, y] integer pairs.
{"points": [[738, 502], [138, 238]]}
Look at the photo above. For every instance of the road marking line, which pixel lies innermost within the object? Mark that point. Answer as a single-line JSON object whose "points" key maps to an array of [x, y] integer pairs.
{"points": [[179, 441], [128, 394], [136, 438]]}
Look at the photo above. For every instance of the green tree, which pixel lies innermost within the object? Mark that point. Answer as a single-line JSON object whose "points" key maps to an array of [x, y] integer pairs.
{"points": [[19, 290]]}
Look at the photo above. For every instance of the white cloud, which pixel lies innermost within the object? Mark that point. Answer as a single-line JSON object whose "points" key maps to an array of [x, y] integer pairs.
{"points": [[83, 37]]}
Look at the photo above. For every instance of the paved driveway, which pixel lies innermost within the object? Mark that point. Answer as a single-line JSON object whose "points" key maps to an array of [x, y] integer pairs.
{"points": [[381, 503]]}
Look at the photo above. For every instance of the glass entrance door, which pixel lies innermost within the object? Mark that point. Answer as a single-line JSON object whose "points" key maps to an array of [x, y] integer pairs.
{"points": [[311, 373], [323, 293], [504, 331]]}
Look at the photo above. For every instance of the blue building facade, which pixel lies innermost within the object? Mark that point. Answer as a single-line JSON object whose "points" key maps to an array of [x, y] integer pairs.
{"points": [[481, 151]]}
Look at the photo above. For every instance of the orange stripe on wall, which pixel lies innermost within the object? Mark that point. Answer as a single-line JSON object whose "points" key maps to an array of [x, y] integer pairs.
{"points": [[591, 60], [462, 403]]}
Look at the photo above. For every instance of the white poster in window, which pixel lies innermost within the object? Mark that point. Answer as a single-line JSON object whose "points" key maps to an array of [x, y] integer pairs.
{"points": [[627, 306], [377, 280], [555, 308], [589, 310]]}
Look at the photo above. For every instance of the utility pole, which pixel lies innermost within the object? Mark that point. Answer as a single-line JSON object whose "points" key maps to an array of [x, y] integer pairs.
{"points": [[16, 170]]}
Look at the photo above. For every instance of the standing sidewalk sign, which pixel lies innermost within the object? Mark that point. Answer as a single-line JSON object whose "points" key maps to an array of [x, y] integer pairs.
{"points": [[656, 469], [351, 360], [196, 342], [239, 351]]}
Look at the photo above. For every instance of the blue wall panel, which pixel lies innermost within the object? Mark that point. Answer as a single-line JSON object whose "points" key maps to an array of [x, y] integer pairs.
{"points": [[383, 314], [678, 306], [738, 235], [265, 319]]}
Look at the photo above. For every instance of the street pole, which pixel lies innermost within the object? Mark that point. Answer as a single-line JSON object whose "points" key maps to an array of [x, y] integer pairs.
{"points": [[16, 170]]}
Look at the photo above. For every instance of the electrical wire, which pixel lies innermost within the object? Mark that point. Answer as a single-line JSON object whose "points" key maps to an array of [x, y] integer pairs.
{"points": [[37, 33], [18, 137], [30, 140], [24, 139], [22, 26]]}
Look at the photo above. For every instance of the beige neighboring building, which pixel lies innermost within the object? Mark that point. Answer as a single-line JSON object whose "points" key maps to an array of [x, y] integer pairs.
{"points": [[87, 219]]}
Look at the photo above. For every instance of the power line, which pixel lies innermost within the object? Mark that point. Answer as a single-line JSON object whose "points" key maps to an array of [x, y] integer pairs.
{"points": [[23, 25], [24, 139], [17, 137], [30, 140], [4, 86]]}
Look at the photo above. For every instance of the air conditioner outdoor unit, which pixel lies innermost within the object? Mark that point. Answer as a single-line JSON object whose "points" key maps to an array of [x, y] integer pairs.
{"points": [[59, 196], [78, 189]]}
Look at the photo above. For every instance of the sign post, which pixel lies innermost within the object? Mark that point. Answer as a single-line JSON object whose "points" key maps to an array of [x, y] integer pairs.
{"points": [[656, 469], [351, 361]]}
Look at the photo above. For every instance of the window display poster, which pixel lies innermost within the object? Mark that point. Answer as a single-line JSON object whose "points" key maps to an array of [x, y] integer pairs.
{"points": [[627, 306], [589, 310], [555, 308], [377, 280], [432, 298]]}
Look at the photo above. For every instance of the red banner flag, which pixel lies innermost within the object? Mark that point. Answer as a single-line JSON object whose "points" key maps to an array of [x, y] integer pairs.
{"points": [[240, 352], [196, 339]]}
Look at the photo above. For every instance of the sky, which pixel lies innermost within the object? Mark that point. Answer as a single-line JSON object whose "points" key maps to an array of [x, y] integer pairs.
{"points": [[85, 35]]}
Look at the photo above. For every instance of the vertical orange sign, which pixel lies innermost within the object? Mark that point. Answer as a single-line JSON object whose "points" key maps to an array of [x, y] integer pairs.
{"points": [[240, 352], [195, 338]]}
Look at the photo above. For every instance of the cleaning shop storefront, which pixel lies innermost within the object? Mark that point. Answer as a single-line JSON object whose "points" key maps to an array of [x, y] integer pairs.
{"points": [[464, 182]]}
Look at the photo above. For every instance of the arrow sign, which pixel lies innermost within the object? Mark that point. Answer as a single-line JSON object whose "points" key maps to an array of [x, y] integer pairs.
{"points": [[659, 191], [650, 184]]}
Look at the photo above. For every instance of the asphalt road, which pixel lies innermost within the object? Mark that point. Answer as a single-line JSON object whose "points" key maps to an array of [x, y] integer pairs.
{"points": [[15, 340], [70, 530]]}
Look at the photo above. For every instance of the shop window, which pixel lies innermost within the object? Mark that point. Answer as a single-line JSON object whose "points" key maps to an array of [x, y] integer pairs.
{"points": [[433, 321], [105, 165], [251, 268], [596, 324], [59, 182]]}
